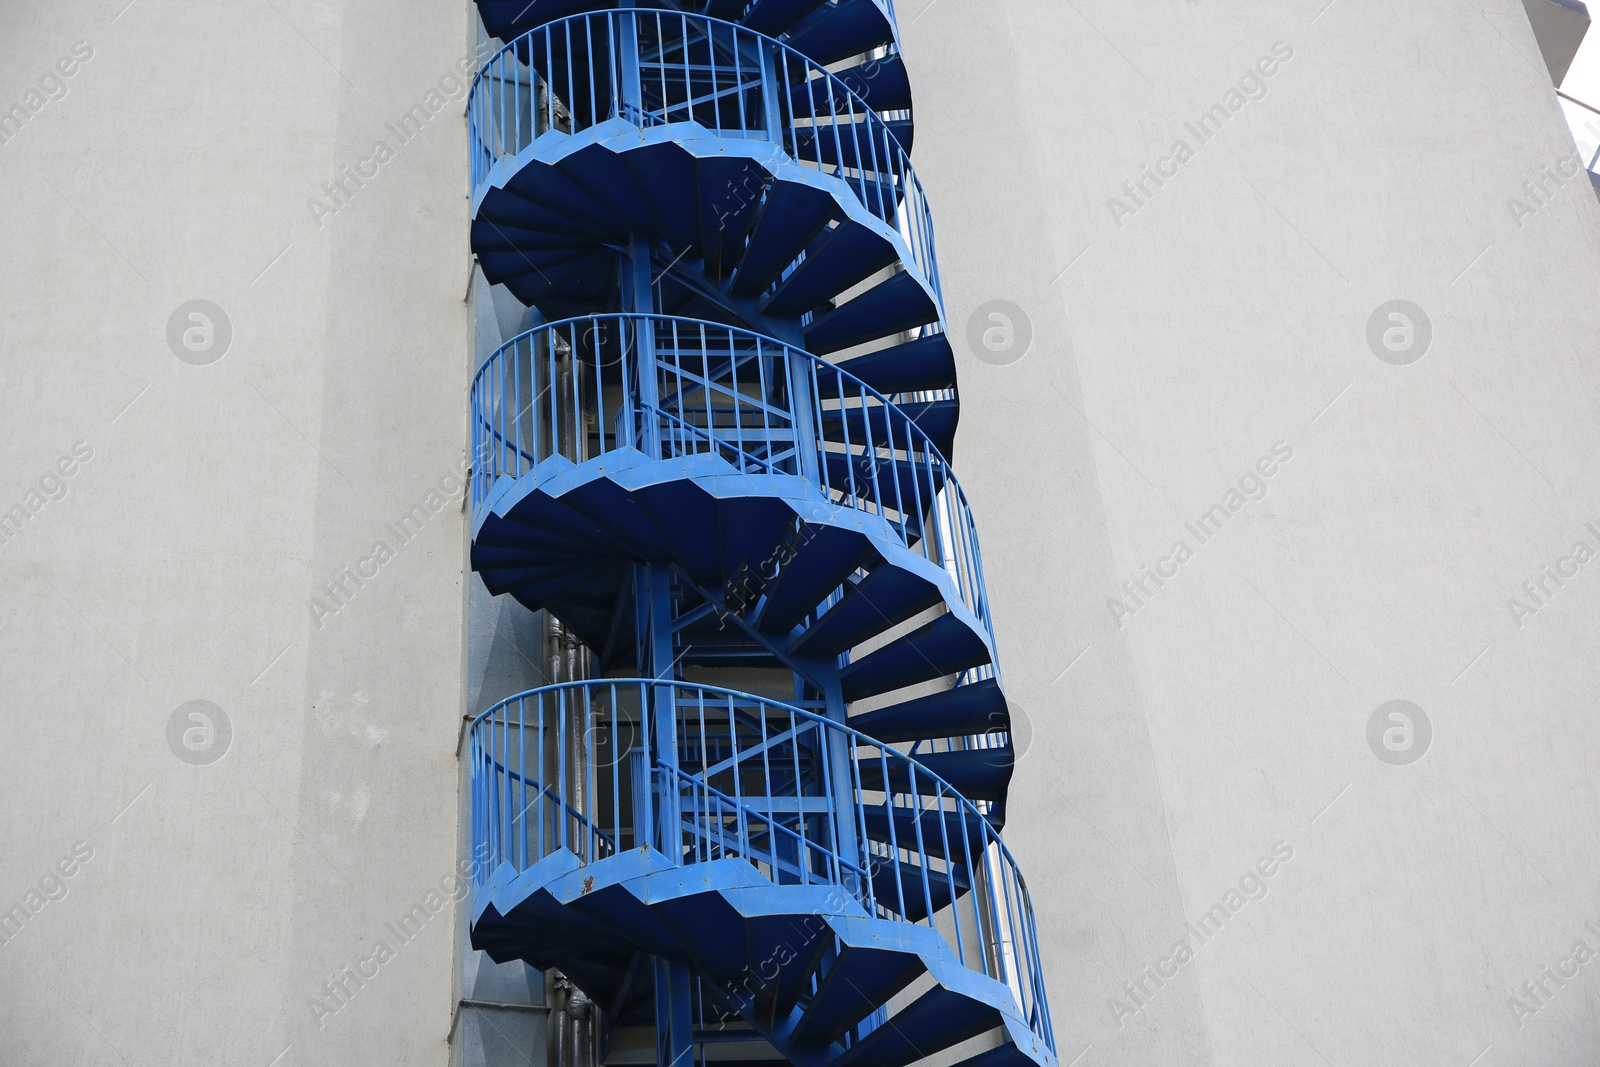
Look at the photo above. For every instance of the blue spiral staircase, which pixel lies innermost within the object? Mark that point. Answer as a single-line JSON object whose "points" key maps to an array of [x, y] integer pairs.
{"points": [[723, 457]]}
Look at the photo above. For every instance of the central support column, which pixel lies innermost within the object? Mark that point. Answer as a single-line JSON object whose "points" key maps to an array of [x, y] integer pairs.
{"points": [[657, 657]]}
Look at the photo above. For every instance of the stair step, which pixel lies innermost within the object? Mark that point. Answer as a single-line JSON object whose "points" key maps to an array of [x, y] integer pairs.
{"points": [[788, 220], [925, 363], [719, 959], [773, 17], [507, 209], [883, 83], [553, 518], [943, 647], [589, 608], [900, 888], [949, 835], [606, 178], [619, 513], [883, 426], [681, 511], [520, 271], [904, 486], [900, 303], [801, 947], [578, 284], [504, 579], [731, 197], [753, 530], [546, 594], [839, 31], [964, 711], [543, 184], [668, 181], [885, 598], [532, 247], [977, 774], [825, 557], [536, 240], [854, 985], [507, 544], [872, 145], [929, 1025], [838, 260]]}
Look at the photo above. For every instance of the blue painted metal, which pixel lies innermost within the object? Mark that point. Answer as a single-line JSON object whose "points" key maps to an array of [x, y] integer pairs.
{"points": [[753, 780], [743, 157], [671, 468]]}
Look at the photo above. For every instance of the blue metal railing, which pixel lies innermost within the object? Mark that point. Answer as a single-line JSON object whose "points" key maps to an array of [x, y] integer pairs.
{"points": [[572, 389], [582, 767], [652, 68]]}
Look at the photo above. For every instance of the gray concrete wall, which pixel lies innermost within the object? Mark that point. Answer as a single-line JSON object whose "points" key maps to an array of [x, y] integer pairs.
{"points": [[1176, 742], [226, 486]]}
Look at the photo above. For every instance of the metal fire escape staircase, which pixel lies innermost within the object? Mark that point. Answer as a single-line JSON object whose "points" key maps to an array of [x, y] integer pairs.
{"points": [[703, 201]]}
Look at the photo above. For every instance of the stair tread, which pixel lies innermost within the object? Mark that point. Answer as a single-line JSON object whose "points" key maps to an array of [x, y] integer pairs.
{"points": [[961, 711], [885, 598], [927, 362], [892, 306], [943, 647]]}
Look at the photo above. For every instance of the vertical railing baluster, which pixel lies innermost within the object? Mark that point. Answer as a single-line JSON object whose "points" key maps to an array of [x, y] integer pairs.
{"points": [[486, 740], [803, 857], [522, 773], [738, 81], [854, 497], [821, 442], [615, 770], [894, 836], [661, 69], [834, 839], [972, 875], [914, 806], [1011, 915], [505, 775], [741, 816], [769, 440], [647, 729], [591, 809], [563, 839]]}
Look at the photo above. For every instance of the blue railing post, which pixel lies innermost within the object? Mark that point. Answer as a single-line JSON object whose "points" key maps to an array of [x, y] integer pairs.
{"points": [[773, 106], [806, 405]]}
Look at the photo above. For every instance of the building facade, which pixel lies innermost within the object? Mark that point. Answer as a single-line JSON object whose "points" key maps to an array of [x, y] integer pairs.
{"points": [[1276, 424]]}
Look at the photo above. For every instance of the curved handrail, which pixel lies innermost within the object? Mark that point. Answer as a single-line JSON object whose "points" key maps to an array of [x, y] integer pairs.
{"points": [[572, 388], [804, 799], [654, 67]]}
